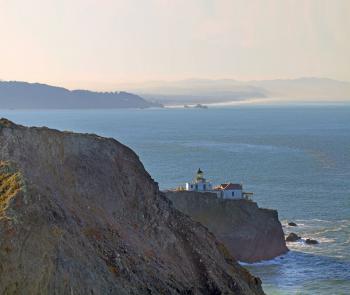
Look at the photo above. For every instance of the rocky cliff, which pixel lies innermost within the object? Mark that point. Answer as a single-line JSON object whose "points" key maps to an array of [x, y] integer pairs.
{"points": [[250, 233], [80, 215]]}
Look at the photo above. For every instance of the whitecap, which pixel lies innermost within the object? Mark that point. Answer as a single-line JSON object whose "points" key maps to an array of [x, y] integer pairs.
{"points": [[324, 240], [275, 261]]}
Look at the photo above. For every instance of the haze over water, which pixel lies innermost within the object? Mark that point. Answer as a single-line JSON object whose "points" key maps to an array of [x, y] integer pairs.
{"points": [[295, 160]]}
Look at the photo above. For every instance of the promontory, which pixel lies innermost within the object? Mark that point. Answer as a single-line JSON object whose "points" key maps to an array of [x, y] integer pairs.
{"points": [[80, 215], [250, 233]]}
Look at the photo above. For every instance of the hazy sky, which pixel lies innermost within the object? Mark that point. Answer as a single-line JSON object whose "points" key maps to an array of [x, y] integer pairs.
{"points": [[95, 44]]}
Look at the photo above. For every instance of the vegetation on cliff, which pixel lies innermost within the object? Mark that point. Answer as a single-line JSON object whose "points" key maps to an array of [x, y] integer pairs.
{"points": [[10, 185]]}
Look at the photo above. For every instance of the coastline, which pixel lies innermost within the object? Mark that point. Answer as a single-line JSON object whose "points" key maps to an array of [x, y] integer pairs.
{"points": [[235, 143]]}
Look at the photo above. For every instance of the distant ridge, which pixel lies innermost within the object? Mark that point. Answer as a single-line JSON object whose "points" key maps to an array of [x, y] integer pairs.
{"points": [[23, 95], [305, 89]]}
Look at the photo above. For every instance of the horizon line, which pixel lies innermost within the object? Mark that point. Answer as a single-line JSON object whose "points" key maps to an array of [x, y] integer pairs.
{"points": [[135, 83]]}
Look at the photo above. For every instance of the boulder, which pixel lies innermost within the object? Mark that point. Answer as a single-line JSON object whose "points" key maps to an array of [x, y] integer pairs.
{"points": [[292, 224], [292, 237], [311, 242]]}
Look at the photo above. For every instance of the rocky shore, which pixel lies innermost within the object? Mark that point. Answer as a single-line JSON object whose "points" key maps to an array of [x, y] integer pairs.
{"points": [[250, 233], [80, 215]]}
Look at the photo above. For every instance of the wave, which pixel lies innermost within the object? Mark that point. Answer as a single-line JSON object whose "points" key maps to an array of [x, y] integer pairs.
{"points": [[331, 230], [324, 240], [332, 235], [275, 261]]}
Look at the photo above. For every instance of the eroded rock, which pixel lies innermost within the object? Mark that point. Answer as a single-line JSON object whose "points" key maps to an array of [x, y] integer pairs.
{"points": [[250, 233], [292, 237], [311, 242]]}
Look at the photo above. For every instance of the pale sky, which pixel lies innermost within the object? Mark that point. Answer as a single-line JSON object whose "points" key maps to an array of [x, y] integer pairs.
{"points": [[95, 44]]}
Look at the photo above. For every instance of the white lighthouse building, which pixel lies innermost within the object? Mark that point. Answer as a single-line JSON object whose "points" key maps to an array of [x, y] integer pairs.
{"points": [[229, 191], [199, 184], [223, 191]]}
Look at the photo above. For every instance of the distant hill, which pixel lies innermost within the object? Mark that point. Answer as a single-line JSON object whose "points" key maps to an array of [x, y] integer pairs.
{"points": [[214, 91], [22, 95], [312, 89], [199, 91]]}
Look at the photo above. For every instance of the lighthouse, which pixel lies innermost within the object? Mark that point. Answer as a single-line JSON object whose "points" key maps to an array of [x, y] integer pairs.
{"points": [[227, 190], [199, 184]]}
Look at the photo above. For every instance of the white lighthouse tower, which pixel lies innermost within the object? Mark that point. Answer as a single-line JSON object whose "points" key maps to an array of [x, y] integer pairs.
{"points": [[199, 184]]}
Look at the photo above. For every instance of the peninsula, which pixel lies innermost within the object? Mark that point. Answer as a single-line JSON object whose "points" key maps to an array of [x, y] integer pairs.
{"points": [[250, 233], [22, 95]]}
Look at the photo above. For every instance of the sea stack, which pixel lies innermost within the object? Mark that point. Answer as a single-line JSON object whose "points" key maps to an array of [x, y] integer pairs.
{"points": [[80, 215], [250, 233]]}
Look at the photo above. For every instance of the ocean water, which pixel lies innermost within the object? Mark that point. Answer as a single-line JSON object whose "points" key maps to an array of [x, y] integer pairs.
{"points": [[295, 159]]}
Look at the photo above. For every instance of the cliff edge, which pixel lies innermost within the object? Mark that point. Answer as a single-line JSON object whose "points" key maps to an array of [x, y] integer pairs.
{"points": [[80, 215], [250, 233]]}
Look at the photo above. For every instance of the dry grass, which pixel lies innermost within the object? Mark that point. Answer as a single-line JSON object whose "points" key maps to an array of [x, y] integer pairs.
{"points": [[57, 232], [93, 233], [5, 123], [114, 270], [10, 185], [149, 255], [224, 251]]}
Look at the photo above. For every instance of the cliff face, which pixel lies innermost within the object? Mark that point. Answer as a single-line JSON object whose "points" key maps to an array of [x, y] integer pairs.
{"points": [[250, 233], [80, 215]]}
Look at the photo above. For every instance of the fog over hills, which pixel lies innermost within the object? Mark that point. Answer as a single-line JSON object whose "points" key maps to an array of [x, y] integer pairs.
{"points": [[22, 95], [15, 95], [225, 90]]}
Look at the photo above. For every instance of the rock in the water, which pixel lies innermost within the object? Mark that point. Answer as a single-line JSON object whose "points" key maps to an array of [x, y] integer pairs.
{"points": [[250, 233], [292, 224], [292, 237], [311, 241], [80, 215]]}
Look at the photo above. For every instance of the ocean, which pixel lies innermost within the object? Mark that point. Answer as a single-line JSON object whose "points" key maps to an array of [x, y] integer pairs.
{"points": [[295, 159]]}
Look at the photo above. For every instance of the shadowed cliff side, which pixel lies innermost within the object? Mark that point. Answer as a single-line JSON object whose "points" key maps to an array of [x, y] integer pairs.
{"points": [[250, 233], [80, 215]]}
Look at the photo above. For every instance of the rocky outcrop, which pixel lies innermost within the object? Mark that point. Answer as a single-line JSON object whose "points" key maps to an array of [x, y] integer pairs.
{"points": [[311, 242], [292, 237], [80, 215], [250, 233]]}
